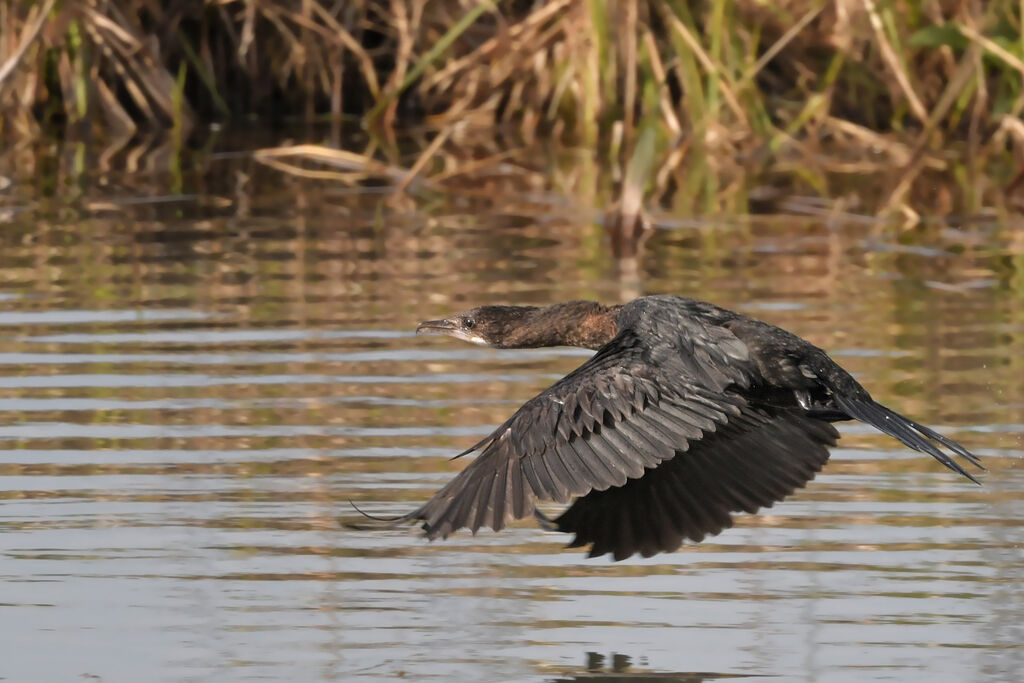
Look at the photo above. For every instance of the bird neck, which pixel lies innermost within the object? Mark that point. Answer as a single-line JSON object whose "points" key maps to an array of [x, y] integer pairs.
{"points": [[586, 324]]}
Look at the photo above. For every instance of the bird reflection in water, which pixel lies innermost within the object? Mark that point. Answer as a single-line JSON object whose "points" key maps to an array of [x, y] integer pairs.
{"points": [[620, 670]]}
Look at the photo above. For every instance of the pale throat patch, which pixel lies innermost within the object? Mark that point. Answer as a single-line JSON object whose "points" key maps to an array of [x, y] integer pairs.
{"points": [[467, 336]]}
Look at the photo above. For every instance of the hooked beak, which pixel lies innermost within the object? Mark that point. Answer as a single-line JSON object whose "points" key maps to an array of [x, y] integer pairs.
{"points": [[437, 327], [450, 327]]}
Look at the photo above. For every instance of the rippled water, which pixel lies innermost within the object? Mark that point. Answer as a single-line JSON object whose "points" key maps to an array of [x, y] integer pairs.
{"points": [[190, 396]]}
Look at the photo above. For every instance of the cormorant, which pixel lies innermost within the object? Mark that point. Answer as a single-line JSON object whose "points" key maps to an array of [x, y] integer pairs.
{"points": [[687, 413]]}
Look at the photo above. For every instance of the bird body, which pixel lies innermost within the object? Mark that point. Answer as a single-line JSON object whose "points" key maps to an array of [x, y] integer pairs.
{"points": [[687, 413]]}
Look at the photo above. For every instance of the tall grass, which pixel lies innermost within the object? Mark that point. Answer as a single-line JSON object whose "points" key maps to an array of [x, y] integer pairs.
{"points": [[721, 89]]}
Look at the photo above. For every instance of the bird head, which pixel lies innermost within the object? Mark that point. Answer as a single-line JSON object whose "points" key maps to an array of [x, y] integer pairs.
{"points": [[484, 325]]}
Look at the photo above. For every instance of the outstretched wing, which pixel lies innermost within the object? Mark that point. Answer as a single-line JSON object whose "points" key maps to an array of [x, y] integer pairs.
{"points": [[628, 409], [754, 461]]}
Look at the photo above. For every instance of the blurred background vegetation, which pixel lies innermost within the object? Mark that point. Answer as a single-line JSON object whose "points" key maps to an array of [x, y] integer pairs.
{"points": [[719, 106]]}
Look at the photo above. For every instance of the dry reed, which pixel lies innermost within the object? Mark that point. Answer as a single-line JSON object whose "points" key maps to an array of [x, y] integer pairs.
{"points": [[717, 91]]}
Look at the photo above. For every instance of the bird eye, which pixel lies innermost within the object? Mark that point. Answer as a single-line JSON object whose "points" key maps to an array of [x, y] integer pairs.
{"points": [[469, 323]]}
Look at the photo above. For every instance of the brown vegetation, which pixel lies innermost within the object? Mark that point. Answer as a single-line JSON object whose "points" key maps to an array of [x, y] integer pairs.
{"points": [[688, 100]]}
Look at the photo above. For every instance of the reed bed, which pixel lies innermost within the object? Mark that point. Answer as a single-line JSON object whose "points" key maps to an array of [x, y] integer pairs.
{"points": [[682, 103]]}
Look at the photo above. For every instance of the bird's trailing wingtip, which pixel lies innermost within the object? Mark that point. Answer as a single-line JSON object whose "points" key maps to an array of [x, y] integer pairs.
{"points": [[376, 522]]}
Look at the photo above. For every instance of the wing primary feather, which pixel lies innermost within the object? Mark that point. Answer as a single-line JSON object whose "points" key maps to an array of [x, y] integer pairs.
{"points": [[482, 504], [499, 496], [667, 532], [537, 478], [461, 509], [517, 489], [698, 499], [557, 489], [563, 473], [377, 522], [623, 523], [742, 482], [686, 523]]}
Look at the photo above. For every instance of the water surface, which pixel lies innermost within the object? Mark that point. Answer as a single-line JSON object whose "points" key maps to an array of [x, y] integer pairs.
{"points": [[190, 393]]}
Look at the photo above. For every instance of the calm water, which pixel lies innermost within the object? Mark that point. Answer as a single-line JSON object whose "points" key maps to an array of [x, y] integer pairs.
{"points": [[193, 388]]}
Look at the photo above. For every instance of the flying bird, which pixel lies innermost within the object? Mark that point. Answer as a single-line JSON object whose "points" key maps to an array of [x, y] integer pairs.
{"points": [[687, 413]]}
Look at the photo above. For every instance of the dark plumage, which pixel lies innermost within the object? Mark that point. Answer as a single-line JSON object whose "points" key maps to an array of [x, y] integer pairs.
{"points": [[687, 413]]}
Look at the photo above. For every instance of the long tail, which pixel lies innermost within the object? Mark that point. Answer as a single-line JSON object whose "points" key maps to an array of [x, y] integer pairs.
{"points": [[912, 434]]}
